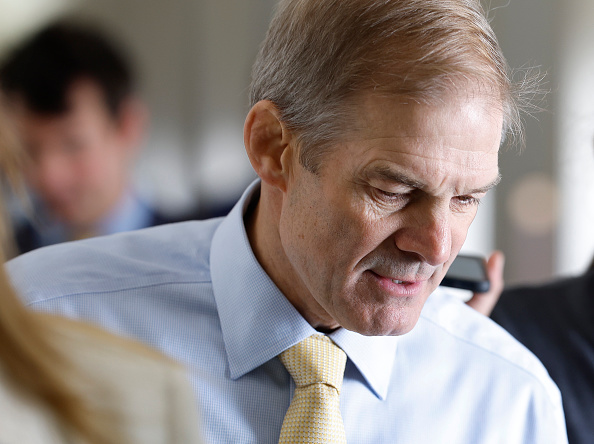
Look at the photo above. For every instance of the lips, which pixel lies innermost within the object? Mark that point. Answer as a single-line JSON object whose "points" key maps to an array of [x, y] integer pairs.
{"points": [[397, 287], [400, 279]]}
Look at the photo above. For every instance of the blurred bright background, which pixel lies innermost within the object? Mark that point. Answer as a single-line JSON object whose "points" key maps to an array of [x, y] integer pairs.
{"points": [[193, 58]]}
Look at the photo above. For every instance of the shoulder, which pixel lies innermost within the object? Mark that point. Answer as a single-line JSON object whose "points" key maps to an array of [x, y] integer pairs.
{"points": [[117, 379], [169, 253], [18, 407], [86, 343], [149, 392], [556, 305], [112, 360], [576, 287], [482, 341]]}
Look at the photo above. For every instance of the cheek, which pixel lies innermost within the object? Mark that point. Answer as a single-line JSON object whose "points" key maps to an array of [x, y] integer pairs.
{"points": [[308, 228], [316, 236], [460, 226], [347, 238], [355, 229], [30, 174], [326, 232], [89, 172], [100, 165], [459, 230]]}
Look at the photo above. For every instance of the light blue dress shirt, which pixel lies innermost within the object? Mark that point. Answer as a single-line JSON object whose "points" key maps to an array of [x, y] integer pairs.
{"points": [[195, 291]]}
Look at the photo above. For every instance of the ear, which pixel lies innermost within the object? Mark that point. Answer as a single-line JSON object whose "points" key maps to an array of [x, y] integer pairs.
{"points": [[268, 144]]}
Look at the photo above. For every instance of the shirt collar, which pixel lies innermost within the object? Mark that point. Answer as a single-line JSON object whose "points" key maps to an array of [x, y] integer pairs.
{"points": [[258, 322]]}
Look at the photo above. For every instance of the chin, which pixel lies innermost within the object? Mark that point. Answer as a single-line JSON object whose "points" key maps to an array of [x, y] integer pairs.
{"points": [[394, 325], [66, 214]]}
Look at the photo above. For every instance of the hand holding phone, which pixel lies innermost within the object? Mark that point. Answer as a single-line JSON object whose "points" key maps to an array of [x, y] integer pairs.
{"points": [[469, 273]]}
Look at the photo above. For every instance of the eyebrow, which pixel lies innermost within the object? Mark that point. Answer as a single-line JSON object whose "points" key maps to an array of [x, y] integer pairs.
{"points": [[487, 187], [385, 173]]}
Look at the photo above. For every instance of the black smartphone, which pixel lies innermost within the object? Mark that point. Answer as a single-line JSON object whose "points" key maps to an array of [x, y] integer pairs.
{"points": [[468, 273]]}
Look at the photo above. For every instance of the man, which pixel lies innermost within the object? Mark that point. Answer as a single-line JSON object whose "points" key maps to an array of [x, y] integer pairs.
{"points": [[375, 127], [72, 97]]}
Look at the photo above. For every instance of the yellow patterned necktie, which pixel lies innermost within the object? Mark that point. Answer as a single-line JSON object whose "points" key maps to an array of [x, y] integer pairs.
{"points": [[317, 367]]}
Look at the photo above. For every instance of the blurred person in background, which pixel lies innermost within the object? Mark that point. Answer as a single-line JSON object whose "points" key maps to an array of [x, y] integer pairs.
{"points": [[62, 381], [555, 321], [72, 96]]}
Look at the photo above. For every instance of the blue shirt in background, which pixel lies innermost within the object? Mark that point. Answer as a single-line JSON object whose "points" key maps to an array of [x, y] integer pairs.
{"points": [[130, 213]]}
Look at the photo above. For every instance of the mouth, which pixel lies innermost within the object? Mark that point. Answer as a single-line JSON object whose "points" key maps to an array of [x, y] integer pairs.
{"points": [[401, 280], [399, 286]]}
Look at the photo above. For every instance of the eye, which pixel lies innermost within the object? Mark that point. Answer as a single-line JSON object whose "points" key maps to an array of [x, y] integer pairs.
{"points": [[390, 199], [466, 202], [390, 195]]}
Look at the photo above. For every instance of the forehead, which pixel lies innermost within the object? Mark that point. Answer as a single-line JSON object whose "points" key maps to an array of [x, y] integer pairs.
{"points": [[459, 136], [451, 115], [86, 107], [82, 95]]}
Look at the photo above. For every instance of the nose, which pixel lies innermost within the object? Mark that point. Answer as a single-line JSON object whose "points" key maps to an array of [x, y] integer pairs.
{"points": [[427, 233]]}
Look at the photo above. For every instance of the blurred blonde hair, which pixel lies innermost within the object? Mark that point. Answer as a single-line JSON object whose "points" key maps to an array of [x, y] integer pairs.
{"points": [[11, 160], [27, 354]]}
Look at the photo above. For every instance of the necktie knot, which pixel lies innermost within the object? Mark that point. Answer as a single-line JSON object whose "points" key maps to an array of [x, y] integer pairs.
{"points": [[317, 367], [315, 360]]}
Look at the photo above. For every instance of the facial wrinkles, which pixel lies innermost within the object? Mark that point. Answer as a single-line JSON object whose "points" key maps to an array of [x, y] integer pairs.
{"points": [[386, 260], [353, 230], [448, 178], [429, 177], [431, 139], [403, 267], [438, 155], [426, 122]]}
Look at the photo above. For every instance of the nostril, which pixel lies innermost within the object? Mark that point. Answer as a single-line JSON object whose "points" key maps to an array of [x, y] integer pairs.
{"points": [[431, 241]]}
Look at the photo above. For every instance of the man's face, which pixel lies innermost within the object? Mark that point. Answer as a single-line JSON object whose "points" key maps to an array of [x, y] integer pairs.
{"points": [[371, 235], [78, 160]]}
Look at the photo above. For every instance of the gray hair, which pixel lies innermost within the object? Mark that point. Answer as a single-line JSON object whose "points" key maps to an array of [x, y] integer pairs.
{"points": [[319, 55]]}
